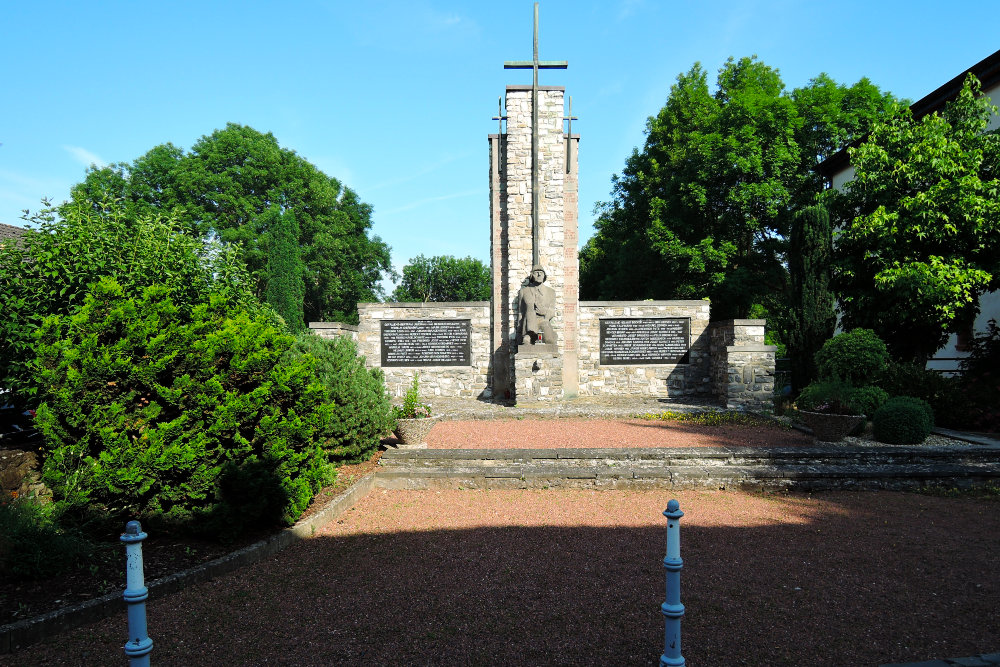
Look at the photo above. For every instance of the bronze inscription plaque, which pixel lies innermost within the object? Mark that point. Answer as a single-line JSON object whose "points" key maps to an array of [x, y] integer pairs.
{"points": [[637, 341], [426, 343]]}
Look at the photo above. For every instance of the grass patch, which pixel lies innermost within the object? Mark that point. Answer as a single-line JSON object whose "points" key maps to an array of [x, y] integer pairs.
{"points": [[714, 418]]}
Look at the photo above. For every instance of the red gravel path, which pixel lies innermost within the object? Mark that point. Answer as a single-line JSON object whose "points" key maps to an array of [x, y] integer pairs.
{"points": [[588, 433], [576, 577]]}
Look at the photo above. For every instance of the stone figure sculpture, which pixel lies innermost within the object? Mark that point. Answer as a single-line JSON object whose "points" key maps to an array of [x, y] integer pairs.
{"points": [[536, 305]]}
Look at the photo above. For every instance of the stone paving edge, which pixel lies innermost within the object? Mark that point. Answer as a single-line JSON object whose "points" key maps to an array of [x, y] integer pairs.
{"points": [[18, 635]]}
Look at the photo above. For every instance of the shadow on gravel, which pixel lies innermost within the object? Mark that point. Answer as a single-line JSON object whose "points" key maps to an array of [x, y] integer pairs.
{"points": [[865, 579]]}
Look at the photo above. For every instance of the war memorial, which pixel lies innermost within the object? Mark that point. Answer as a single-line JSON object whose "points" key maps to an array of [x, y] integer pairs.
{"points": [[535, 340]]}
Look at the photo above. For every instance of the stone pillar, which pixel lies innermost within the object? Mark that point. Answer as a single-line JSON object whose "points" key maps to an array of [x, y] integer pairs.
{"points": [[499, 380], [511, 199]]}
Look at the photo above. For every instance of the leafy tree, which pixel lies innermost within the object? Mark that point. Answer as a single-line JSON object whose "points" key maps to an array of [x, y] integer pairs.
{"points": [[226, 184], [49, 273], [920, 222], [704, 208], [285, 289], [444, 278], [811, 314]]}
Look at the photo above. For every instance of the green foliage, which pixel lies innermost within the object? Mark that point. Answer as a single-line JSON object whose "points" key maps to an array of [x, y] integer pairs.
{"points": [[285, 290], [227, 184], [412, 408], [444, 278], [857, 357], [181, 417], [51, 270], [838, 397], [919, 222], [944, 394], [703, 209], [32, 546], [714, 418], [903, 420], [811, 315], [360, 410], [981, 381], [830, 396], [867, 400]]}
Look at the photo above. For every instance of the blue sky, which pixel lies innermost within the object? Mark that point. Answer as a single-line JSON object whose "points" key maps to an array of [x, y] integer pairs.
{"points": [[395, 99]]}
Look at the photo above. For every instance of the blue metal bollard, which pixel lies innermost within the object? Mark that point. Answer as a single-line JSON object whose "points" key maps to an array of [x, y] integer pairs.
{"points": [[139, 644], [672, 609]]}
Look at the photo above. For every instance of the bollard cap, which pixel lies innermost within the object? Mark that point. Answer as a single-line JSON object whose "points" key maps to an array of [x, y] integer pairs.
{"points": [[673, 510], [133, 533]]}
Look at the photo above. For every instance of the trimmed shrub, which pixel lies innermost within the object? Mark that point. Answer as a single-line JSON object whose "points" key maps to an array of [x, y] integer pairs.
{"points": [[360, 410], [868, 399], [857, 357], [903, 420], [154, 414], [831, 396]]}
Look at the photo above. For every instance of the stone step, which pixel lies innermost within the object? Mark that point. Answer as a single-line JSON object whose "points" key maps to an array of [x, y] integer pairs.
{"points": [[691, 456], [803, 468]]}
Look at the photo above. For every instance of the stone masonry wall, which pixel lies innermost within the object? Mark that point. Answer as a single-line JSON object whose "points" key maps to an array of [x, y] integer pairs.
{"points": [[743, 365], [334, 329], [661, 380], [465, 381]]}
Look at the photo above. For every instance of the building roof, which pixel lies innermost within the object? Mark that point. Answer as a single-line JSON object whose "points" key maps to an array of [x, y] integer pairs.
{"points": [[11, 232], [986, 70]]}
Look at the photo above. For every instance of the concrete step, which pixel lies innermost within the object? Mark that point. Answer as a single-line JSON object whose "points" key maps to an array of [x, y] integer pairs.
{"points": [[805, 468]]}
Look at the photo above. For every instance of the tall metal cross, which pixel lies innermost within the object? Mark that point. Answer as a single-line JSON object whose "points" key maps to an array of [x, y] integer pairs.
{"points": [[535, 64], [569, 133]]}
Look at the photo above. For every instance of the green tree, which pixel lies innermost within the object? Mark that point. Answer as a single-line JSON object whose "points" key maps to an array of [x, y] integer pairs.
{"points": [[811, 314], [285, 288], [226, 184], [703, 209], [919, 225], [444, 278], [49, 273]]}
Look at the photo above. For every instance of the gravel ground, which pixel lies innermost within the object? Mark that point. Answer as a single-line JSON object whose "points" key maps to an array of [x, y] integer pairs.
{"points": [[575, 577], [571, 432]]}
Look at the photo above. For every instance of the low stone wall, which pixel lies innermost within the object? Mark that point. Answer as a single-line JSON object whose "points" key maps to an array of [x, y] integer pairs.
{"points": [[658, 380], [742, 365], [463, 381], [334, 329]]}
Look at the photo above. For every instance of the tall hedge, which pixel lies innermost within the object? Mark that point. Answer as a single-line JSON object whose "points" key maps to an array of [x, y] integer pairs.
{"points": [[195, 417], [812, 317]]}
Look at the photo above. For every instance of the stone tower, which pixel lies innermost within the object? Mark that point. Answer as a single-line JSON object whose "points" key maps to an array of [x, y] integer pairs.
{"points": [[534, 371]]}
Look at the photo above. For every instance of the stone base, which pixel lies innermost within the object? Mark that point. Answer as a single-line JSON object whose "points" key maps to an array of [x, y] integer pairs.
{"points": [[538, 373]]}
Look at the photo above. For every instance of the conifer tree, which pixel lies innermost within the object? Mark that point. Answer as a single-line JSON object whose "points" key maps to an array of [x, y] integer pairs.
{"points": [[285, 287], [812, 317]]}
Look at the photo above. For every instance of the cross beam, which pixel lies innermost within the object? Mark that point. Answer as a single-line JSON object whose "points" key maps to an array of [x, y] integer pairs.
{"points": [[535, 64]]}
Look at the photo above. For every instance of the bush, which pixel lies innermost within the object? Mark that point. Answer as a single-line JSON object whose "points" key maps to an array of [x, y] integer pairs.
{"points": [[942, 393], [32, 546], [50, 270], [360, 408], [832, 396], [981, 380], [903, 420], [867, 400], [857, 357], [150, 413]]}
